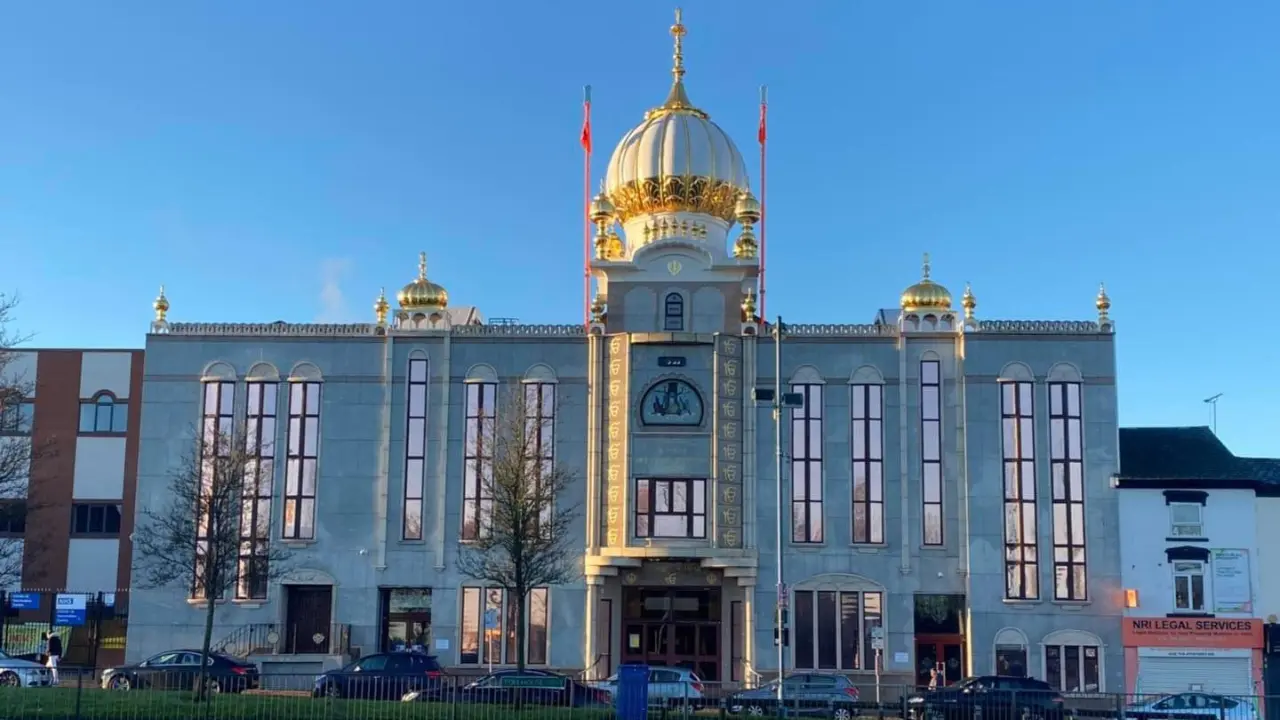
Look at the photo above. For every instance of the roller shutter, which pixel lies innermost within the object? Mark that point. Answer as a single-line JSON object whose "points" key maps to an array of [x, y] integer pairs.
{"points": [[1218, 675]]}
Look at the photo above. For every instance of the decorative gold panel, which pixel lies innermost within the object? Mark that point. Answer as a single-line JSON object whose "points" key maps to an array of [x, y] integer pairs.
{"points": [[617, 372], [728, 448]]}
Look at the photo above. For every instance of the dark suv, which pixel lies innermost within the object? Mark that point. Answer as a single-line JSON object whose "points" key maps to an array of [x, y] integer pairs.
{"points": [[385, 676], [989, 697]]}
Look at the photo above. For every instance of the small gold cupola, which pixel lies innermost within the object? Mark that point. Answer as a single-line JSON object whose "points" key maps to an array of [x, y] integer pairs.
{"points": [[926, 294], [422, 294], [380, 307], [161, 306], [1103, 303], [968, 301]]}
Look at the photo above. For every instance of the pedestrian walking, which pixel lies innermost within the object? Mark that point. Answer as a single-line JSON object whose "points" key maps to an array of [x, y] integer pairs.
{"points": [[53, 654]]}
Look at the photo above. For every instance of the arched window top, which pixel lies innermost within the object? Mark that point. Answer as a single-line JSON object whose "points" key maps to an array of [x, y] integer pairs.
{"points": [[1071, 637], [1011, 636], [263, 372], [866, 375], [104, 397], [218, 371], [806, 375], [839, 581], [305, 372], [1017, 372], [481, 373], [104, 413], [417, 354], [1064, 372], [673, 312], [540, 373], [929, 355]]}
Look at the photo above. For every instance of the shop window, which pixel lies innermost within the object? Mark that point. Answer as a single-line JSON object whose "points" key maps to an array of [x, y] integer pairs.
{"points": [[406, 620], [1011, 660]]}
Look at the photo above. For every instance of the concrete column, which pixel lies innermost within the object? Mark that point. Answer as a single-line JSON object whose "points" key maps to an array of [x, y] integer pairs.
{"points": [[748, 628], [590, 651]]}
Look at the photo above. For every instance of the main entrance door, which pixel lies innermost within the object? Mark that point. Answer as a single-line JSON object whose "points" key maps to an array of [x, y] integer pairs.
{"points": [[942, 652], [672, 627], [307, 618]]}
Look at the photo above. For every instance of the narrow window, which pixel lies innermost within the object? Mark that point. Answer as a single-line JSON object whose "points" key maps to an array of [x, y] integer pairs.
{"points": [[931, 450], [1021, 553], [300, 468], [13, 518], [255, 513], [671, 508], [217, 407], [477, 503], [1067, 465], [673, 313], [469, 647], [1188, 586], [540, 432], [415, 450], [17, 416], [868, 464], [806, 466]]}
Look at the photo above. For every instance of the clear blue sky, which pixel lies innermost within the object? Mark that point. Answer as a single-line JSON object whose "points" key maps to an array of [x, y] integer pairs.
{"points": [[285, 159]]}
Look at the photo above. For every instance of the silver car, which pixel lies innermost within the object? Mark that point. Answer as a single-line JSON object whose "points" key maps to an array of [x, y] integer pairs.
{"points": [[15, 672], [667, 686]]}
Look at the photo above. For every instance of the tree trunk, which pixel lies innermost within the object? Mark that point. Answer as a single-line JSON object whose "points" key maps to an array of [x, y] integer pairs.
{"points": [[520, 657], [201, 691]]}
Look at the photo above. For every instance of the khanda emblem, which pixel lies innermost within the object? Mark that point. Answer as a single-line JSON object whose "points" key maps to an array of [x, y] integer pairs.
{"points": [[672, 399]]}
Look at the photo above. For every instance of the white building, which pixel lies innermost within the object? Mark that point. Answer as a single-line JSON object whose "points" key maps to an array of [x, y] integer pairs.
{"points": [[1189, 555]]}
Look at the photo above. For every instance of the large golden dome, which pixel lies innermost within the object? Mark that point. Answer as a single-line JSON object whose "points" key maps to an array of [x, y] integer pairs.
{"points": [[422, 294], [677, 160], [926, 294]]}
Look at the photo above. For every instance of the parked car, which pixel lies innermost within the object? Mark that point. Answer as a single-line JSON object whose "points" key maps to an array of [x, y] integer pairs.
{"points": [[996, 697], [672, 686], [385, 676], [1193, 706], [179, 670], [820, 694], [509, 687], [17, 672]]}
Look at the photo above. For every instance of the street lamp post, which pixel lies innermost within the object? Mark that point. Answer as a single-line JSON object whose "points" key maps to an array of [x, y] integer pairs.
{"points": [[779, 401]]}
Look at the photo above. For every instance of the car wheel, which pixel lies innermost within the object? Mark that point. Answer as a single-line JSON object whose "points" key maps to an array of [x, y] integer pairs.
{"points": [[121, 682], [755, 710], [213, 687], [842, 713], [10, 679], [332, 691]]}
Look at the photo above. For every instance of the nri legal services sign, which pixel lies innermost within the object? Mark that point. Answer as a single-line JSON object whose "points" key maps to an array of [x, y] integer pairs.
{"points": [[69, 609], [1193, 632]]}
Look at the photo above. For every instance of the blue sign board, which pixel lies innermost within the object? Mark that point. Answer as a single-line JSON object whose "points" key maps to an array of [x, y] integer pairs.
{"points": [[491, 619], [24, 601], [69, 609]]}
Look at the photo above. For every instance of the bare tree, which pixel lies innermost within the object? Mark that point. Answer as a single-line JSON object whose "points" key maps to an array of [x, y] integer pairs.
{"points": [[521, 537], [20, 454], [209, 535]]}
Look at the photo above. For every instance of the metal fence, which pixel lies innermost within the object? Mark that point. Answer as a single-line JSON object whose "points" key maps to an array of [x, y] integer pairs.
{"points": [[346, 696]]}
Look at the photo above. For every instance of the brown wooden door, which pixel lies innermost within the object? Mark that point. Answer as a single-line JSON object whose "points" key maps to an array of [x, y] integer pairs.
{"points": [[307, 619]]}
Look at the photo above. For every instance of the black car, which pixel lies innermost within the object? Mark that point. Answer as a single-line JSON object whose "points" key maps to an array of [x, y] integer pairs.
{"points": [[989, 697], [511, 687], [385, 676], [179, 669]]}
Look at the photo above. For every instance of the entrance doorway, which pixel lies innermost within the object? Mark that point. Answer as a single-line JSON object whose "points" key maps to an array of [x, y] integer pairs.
{"points": [[675, 628], [308, 612], [940, 644], [945, 653]]}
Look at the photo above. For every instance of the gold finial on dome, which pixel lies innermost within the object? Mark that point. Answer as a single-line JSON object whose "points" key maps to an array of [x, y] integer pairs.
{"points": [[749, 306], [161, 306], [1103, 303], [677, 98], [968, 302], [422, 294], [926, 294], [597, 308], [381, 306]]}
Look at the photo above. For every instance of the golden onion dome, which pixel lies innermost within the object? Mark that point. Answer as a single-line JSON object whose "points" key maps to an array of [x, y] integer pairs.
{"points": [[422, 294], [926, 294], [677, 160]]}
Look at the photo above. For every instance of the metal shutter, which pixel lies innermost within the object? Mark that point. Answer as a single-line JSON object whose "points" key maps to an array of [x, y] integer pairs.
{"points": [[1223, 676]]}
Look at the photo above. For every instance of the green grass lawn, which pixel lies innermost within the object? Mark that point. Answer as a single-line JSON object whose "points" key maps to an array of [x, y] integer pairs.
{"points": [[22, 704]]}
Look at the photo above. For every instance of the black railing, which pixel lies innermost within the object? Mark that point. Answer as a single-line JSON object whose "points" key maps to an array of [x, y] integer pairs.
{"points": [[286, 639]]}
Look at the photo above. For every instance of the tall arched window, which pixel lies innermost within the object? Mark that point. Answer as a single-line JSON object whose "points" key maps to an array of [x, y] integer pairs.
{"points": [[673, 312], [104, 414]]}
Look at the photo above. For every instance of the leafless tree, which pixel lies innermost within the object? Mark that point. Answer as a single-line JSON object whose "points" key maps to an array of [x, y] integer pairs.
{"points": [[20, 453], [524, 536], [203, 535]]}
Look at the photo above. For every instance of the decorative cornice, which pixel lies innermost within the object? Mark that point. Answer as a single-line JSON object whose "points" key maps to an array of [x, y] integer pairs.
{"points": [[283, 329], [575, 330], [1042, 327], [832, 330]]}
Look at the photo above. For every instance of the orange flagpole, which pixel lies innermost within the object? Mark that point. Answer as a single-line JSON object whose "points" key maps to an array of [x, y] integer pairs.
{"points": [[762, 136], [586, 204]]}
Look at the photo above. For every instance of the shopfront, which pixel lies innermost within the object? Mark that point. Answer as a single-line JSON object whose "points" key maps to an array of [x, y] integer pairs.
{"points": [[1175, 655]]}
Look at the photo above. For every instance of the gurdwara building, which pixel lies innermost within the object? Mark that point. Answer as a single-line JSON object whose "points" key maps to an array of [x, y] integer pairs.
{"points": [[943, 502]]}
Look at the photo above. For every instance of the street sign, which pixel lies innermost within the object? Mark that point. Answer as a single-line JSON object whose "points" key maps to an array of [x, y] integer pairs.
{"points": [[552, 682], [782, 596], [491, 619], [24, 601], [877, 632], [877, 643], [69, 609]]}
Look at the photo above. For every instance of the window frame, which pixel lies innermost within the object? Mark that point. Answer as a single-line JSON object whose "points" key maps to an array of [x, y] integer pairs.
{"points": [[88, 511], [1067, 495], [864, 654], [299, 503], [13, 512], [540, 425], [1021, 554], [1174, 524], [473, 611], [416, 428], [261, 430], [866, 448], [1201, 571], [673, 312], [802, 457], [1081, 663], [479, 427], [216, 422], [17, 417], [694, 488], [931, 430], [117, 410]]}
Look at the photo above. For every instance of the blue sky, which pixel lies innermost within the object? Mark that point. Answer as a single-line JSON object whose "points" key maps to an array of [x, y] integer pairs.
{"points": [[284, 160]]}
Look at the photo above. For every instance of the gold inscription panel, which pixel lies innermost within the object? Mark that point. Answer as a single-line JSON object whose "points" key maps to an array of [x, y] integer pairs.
{"points": [[728, 440], [618, 370]]}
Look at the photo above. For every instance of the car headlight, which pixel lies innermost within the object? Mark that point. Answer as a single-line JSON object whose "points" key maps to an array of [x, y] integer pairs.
{"points": [[915, 700], [410, 696]]}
